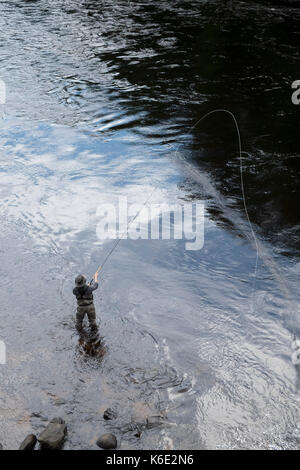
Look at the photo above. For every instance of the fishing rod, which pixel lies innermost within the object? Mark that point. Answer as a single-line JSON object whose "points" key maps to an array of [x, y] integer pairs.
{"points": [[115, 245]]}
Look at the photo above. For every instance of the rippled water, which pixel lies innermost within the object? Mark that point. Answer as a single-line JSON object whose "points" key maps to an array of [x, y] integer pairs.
{"points": [[102, 98]]}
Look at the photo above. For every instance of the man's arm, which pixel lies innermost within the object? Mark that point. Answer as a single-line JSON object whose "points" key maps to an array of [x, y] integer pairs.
{"points": [[94, 283]]}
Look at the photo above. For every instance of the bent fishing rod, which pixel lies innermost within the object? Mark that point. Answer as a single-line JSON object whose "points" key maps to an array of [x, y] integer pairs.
{"points": [[122, 235]]}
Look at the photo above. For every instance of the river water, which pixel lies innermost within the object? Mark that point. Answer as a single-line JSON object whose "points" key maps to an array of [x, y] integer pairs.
{"points": [[102, 101]]}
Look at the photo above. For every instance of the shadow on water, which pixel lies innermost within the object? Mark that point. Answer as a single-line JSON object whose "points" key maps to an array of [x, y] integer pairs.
{"points": [[92, 344], [189, 58]]}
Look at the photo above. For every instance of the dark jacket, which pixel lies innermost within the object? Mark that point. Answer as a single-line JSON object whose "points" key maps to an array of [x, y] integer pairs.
{"points": [[84, 295]]}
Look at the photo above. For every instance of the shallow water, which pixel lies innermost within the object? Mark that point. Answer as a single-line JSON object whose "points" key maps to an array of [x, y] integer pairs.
{"points": [[101, 100]]}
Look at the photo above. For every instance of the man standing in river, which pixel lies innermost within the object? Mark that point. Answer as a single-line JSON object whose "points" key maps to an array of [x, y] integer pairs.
{"points": [[85, 301]]}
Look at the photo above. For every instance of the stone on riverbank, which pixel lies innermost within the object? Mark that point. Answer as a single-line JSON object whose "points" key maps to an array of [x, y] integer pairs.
{"points": [[28, 443], [107, 441], [53, 436]]}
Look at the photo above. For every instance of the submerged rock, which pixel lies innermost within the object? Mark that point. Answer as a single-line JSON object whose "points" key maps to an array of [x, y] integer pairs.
{"points": [[295, 434], [36, 414], [138, 431], [184, 386], [53, 436], [28, 443], [109, 414], [107, 441], [154, 421]]}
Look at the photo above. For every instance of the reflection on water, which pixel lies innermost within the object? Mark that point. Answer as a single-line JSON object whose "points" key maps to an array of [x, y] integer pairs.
{"points": [[102, 97]]}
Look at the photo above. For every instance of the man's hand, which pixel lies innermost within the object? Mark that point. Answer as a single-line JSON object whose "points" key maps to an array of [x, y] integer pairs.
{"points": [[96, 276]]}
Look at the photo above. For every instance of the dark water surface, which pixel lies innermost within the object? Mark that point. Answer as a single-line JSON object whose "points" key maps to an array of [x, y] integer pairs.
{"points": [[101, 100]]}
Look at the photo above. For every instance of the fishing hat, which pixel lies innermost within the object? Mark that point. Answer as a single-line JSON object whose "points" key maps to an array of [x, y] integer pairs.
{"points": [[80, 280]]}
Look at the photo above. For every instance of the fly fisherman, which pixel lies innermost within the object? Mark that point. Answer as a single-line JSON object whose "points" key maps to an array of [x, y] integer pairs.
{"points": [[85, 301]]}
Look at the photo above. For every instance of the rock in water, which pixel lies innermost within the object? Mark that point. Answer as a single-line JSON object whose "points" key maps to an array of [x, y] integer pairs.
{"points": [[296, 344], [107, 441], [154, 421], [53, 436], [28, 443], [109, 414], [296, 357]]}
